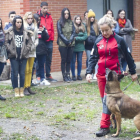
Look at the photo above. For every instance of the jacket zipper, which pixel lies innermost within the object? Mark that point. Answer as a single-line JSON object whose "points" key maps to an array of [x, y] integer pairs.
{"points": [[106, 52]]}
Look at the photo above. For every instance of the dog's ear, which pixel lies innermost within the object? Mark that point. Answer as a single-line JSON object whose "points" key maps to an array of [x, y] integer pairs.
{"points": [[110, 76], [120, 76]]}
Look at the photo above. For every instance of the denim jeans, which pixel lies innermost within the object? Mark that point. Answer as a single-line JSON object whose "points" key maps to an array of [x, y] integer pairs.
{"points": [[79, 63], [18, 67], [12, 77], [49, 46], [88, 56], [66, 56], [1, 67], [41, 61], [124, 64]]}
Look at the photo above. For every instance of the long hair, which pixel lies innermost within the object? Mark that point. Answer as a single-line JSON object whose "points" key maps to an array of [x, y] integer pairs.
{"points": [[119, 13], [36, 17], [95, 26], [14, 23], [111, 12], [62, 18], [25, 20], [79, 28], [1, 28]]}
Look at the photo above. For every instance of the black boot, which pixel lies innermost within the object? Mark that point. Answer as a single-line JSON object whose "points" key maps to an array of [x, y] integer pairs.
{"points": [[79, 77], [30, 91], [26, 92], [2, 98], [102, 132], [68, 76], [65, 79]]}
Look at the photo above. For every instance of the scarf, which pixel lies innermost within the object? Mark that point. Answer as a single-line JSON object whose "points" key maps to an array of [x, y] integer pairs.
{"points": [[122, 22], [2, 37], [31, 28]]}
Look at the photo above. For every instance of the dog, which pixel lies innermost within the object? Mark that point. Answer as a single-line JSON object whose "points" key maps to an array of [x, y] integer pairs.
{"points": [[119, 104]]}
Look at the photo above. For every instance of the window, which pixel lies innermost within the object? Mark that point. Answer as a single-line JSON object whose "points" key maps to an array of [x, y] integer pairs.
{"points": [[101, 6]]}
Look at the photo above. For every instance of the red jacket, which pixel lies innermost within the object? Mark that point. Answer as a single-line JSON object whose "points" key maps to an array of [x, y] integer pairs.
{"points": [[108, 54], [48, 23]]}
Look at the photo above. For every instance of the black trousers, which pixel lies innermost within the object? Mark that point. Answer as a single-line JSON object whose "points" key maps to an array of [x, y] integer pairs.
{"points": [[66, 56]]}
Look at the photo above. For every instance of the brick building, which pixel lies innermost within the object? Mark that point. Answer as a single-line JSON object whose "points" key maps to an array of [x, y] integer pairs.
{"points": [[76, 7]]}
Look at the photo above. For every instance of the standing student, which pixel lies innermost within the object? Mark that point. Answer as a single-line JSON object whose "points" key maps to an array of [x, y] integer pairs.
{"points": [[66, 34], [18, 43], [12, 14], [108, 49], [116, 25], [3, 54], [41, 51], [125, 30], [79, 47], [31, 26], [47, 22], [85, 17], [93, 32]]}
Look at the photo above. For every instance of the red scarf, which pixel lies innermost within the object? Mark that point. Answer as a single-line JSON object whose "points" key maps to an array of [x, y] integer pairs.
{"points": [[122, 22]]}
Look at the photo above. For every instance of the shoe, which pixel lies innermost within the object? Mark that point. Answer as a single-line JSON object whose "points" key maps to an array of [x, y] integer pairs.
{"points": [[34, 84], [2, 98], [26, 92], [74, 78], [79, 77], [68, 77], [30, 91], [45, 82], [65, 78], [94, 77], [21, 92], [17, 94], [50, 79], [102, 132], [37, 80]]}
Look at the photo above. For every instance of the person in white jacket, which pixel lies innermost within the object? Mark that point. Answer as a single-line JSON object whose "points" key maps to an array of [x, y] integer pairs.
{"points": [[30, 25]]}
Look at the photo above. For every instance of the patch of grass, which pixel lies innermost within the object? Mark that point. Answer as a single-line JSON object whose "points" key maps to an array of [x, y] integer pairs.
{"points": [[7, 115], [40, 113], [1, 130], [71, 116]]}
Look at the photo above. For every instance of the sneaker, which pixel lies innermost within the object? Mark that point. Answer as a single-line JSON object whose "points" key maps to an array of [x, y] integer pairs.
{"points": [[102, 132], [37, 80], [74, 78], [45, 82], [34, 84], [94, 77], [79, 77], [50, 79]]}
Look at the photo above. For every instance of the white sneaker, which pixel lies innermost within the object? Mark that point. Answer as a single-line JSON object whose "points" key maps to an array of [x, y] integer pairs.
{"points": [[45, 82], [37, 81], [94, 77]]}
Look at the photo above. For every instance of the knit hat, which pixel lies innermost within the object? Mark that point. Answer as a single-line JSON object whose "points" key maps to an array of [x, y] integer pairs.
{"points": [[91, 13]]}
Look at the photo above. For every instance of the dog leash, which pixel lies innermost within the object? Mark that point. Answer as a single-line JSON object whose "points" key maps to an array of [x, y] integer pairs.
{"points": [[130, 84]]}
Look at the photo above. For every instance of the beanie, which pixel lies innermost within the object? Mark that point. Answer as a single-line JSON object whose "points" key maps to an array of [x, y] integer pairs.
{"points": [[91, 13]]}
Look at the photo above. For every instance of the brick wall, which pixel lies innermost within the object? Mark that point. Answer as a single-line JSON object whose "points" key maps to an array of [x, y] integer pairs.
{"points": [[136, 42], [55, 7]]}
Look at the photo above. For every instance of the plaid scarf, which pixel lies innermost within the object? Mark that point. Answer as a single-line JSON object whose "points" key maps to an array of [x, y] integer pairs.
{"points": [[122, 22], [2, 38]]}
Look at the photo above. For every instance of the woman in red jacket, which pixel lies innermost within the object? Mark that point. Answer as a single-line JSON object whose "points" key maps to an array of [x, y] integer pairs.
{"points": [[108, 49]]}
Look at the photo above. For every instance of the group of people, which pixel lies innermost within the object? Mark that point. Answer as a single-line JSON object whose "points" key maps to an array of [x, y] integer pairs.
{"points": [[29, 40]]}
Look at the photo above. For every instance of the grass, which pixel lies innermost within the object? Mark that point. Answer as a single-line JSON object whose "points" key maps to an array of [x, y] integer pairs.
{"points": [[63, 105]]}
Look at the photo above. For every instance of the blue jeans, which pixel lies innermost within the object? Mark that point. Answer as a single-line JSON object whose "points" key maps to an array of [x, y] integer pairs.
{"points": [[124, 64], [18, 67], [1, 67], [79, 63], [41, 61], [88, 56], [49, 46]]}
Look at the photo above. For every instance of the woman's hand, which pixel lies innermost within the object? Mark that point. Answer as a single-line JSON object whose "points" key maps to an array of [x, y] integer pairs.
{"points": [[41, 28], [134, 77], [88, 77]]}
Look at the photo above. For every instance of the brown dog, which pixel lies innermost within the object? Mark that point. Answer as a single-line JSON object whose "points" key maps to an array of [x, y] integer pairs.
{"points": [[121, 105]]}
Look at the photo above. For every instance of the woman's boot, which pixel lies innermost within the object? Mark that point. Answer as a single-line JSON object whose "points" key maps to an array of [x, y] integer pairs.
{"points": [[26, 92], [17, 92], [30, 91], [68, 77], [2, 98], [65, 79], [21, 91]]}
